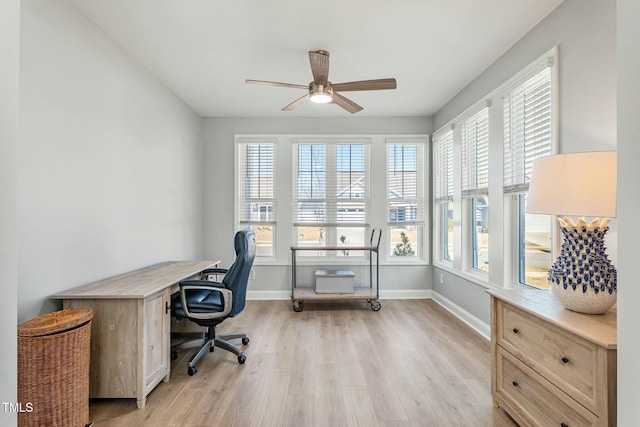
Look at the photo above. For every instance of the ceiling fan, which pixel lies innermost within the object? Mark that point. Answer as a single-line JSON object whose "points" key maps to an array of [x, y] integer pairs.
{"points": [[322, 91]]}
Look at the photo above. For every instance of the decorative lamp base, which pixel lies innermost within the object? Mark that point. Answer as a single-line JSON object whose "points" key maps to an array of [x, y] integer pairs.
{"points": [[583, 278], [588, 302]]}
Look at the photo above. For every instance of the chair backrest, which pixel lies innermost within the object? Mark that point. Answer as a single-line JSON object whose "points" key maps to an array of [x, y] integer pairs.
{"points": [[238, 275]]}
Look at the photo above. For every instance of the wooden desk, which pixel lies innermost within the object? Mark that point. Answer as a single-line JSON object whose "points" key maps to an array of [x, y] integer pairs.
{"points": [[131, 327]]}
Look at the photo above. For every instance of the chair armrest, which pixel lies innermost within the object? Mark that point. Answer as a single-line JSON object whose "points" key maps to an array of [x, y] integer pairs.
{"points": [[202, 284], [212, 286]]}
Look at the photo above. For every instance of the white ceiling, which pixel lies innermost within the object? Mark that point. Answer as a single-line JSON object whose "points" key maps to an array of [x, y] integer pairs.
{"points": [[203, 50]]}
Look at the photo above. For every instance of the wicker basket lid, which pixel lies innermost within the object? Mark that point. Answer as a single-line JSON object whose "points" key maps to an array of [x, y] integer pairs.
{"points": [[56, 322]]}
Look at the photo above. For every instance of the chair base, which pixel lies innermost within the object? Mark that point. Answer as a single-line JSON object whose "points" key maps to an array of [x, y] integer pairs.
{"points": [[207, 344]]}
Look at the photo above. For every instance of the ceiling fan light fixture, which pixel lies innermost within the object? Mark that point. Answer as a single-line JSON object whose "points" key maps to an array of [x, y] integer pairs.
{"points": [[321, 98], [320, 94]]}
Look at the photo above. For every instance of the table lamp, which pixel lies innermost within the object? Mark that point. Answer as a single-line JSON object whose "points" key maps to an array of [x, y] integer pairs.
{"points": [[584, 185]]}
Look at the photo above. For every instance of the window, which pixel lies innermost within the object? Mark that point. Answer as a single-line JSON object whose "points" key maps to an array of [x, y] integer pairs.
{"points": [[535, 247], [443, 191], [331, 192], [256, 192], [480, 233], [405, 203], [332, 196], [523, 124], [475, 184], [528, 135]]}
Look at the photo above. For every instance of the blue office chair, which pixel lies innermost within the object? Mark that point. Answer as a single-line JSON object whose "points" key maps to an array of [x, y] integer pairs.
{"points": [[209, 303]]}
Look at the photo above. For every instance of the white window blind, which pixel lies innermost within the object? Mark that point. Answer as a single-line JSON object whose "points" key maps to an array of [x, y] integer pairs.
{"points": [[331, 183], [405, 170], [475, 154], [443, 165], [256, 183], [527, 129]]}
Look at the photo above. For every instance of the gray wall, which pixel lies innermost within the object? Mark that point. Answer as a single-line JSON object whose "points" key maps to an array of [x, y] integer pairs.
{"points": [[628, 208], [219, 197], [9, 71], [109, 162], [585, 32]]}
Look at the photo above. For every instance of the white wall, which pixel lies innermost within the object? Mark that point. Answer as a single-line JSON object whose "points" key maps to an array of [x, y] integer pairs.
{"points": [[628, 208], [219, 176], [109, 169], [585, 32], [9, 71]]}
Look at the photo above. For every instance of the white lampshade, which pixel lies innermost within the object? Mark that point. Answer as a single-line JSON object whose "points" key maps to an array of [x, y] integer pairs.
{"points": [[577, 184]]}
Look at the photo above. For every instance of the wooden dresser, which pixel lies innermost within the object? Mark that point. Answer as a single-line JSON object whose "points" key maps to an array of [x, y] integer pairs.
{"points": [[552, 366]]}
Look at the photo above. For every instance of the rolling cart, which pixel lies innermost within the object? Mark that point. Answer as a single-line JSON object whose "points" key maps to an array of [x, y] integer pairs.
{"points": [[371, 294]]}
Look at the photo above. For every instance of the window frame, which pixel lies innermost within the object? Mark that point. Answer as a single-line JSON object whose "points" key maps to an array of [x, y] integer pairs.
{"points": [[421, 247], [514, 186], [241, 223], [284, 235], [443, 192], [331, 224], [475, 181]]}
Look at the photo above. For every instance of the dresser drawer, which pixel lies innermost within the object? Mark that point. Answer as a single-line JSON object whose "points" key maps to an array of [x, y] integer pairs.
{"points": [[532, 400], [565, 359]]}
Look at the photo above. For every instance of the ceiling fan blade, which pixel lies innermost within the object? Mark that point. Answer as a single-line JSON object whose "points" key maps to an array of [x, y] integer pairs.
{"points": [[378, 84], [319, 60], [265, 83], [296, 103], [346, 103]]}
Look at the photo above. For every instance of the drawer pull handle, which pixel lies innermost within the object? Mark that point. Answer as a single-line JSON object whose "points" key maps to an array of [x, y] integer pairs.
{"points": [[515, 383], [565, 360], [516, 330]]}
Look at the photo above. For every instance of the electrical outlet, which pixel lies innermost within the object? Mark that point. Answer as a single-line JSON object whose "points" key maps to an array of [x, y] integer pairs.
{"points": [[252, 275], [441, 278]]}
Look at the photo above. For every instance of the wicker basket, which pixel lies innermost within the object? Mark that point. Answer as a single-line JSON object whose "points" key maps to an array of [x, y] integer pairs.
{"points": [[53, 368]]}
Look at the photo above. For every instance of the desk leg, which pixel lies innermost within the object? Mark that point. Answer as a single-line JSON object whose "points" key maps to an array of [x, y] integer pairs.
{"points": [[141, 402]]}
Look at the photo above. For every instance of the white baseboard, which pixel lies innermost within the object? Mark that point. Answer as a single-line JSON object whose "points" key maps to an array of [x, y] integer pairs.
{"points": [[462, 314], [468, 318], [384, 294], [405, 294]]}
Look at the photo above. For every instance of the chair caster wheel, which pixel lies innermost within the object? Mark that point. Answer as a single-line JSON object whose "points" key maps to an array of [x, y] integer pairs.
{"points": [[245, 340], [174, 355], [375, 305], [192, 371], [297, 306], [241, 359]]}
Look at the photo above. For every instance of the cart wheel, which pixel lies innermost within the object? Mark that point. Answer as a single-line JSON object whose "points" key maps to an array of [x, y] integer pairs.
{"points": [[297, 306], [375, 305], [241, 359], [192, 371], [245, 340], [174, 355]]}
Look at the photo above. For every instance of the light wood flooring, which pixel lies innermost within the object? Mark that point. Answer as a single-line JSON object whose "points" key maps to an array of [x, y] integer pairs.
{"points": [[334, 364]]}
